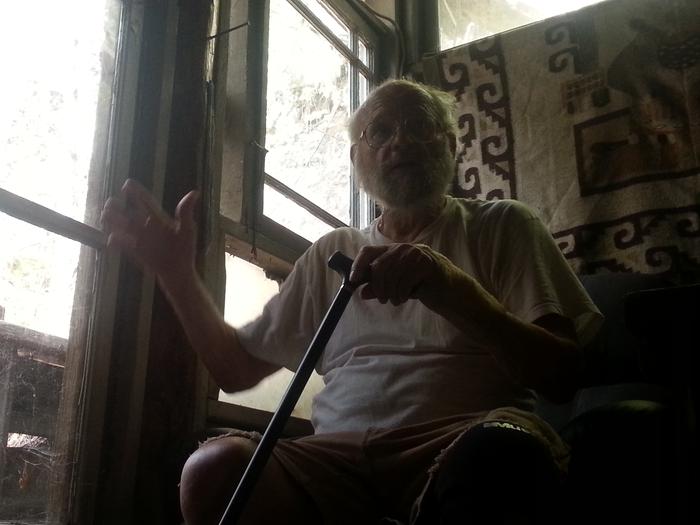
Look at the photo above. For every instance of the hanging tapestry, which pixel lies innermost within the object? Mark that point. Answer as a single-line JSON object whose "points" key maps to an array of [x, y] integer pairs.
{"points": [[593, 119]]}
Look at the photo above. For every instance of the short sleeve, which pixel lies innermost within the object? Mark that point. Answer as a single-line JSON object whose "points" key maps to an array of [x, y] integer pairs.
{"points": [[284, 330], [285, 327], [530, 275]]}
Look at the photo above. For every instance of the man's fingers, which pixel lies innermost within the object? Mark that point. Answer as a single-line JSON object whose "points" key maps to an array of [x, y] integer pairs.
{"points": [[418, 278], [412, 280], [113, 216], [381, 267], [143, 202], [405, 287], [395, 273], [122, 241], [184, 212], [366, 292], [401, 273], [129, 246], [131, 222], [360, 271], [385, 271]]}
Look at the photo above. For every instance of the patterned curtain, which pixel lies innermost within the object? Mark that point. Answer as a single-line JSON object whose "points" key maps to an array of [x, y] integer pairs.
{"points": [[593, 119]]}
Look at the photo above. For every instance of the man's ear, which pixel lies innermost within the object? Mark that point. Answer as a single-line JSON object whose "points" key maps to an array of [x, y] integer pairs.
{"points": [[353, 152], [452, 143]]}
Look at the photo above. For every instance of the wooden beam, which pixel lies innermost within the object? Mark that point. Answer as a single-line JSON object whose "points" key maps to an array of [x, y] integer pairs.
{"points": [[48, 219]]}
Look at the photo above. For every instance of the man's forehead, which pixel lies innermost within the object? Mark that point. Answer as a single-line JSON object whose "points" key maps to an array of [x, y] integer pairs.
{"points": [[395, 102]]}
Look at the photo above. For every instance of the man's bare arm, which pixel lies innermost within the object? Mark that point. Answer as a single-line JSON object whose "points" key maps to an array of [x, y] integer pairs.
{"points": [[543, 355], [165, 246], [231, 366]]}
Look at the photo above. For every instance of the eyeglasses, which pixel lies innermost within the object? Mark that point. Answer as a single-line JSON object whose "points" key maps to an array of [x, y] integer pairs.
{"points": [[379, 132]]}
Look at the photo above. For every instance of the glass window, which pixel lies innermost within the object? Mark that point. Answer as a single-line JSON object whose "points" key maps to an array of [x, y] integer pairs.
{"points": [[55, 108], [285, 211], [40, 315], [363, 52], [329, 19], [308, 105], [49, 107], [307, 112], [463, 21], [364, 87], [247, 291], [37, 277]]}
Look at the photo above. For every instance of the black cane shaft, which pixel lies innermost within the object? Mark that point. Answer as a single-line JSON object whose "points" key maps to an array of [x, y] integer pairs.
{"points": [[284, 410]]}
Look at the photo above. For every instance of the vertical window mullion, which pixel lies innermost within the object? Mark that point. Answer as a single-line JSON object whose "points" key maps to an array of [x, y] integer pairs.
{"points": [[348, 45], [355, 217]]}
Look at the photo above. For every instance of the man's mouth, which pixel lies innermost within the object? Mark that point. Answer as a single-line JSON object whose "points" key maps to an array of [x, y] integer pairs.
{"points": [[403, 165]]}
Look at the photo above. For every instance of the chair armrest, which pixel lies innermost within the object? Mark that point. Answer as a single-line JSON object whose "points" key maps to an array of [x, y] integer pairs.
{"points": [[667, 318], [646, 311]]}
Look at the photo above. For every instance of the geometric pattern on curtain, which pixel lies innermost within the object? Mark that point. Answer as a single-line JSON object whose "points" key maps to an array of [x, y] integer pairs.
{"points": [[593, 119]]}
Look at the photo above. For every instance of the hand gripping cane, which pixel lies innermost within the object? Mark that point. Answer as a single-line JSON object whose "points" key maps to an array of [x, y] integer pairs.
{"points": [[341, 264]]}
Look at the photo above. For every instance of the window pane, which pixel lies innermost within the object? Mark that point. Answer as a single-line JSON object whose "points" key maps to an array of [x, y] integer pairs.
{"points": [[58, 62], [307, 112], [37, 277], [363, 53], [465, 21], [247, 291], [329, 19], [364, 88], [43, 312], [363, 212], [290, 215]]}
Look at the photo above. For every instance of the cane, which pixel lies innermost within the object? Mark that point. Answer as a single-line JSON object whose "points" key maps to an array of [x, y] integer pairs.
{"points": [[341, 264]]}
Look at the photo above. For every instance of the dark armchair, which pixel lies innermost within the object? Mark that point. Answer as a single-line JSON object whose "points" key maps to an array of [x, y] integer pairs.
{"points": [[632, 427]]}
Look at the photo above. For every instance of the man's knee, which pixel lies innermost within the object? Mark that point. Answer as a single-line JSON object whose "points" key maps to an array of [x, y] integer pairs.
{"points": [[499, 474], [210, 475], [499, 452], [222, 456]]}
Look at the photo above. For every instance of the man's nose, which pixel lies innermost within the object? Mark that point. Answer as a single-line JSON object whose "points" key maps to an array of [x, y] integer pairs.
{"points": [[401, 137]]}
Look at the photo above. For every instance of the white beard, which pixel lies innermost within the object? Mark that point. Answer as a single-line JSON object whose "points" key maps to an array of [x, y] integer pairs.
{"points": [[401, 192]]}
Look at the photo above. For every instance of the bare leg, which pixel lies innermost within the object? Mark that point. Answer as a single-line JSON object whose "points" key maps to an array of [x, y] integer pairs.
{"points": [[211, 474]]}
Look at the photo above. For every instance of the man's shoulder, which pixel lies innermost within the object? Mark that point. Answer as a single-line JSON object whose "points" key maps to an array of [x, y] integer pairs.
{"points": [[345, 239], [341, 235], [496, 210]]}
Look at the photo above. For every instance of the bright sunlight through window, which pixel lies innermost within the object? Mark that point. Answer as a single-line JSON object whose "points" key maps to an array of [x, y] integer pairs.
{"points": [[58, 60], [247, 291], [308, 106], [48, 104], [463, 21]]}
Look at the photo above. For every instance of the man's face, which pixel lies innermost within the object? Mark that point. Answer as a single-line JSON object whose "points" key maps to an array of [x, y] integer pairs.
{"points": [[403, 159]]}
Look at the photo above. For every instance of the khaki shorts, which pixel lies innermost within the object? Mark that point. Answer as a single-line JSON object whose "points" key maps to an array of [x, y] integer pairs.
{"points": [[367, 477]]}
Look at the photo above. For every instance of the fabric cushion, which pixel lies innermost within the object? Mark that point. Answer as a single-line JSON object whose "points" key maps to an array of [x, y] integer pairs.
{"points": [[613, 355]]}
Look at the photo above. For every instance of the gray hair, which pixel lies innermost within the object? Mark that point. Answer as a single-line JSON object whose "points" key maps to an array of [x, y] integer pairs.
{"points": [[441, 104]]}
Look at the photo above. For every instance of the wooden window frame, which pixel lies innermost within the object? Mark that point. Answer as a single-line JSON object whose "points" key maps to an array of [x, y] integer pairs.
{"points": [[239, 81]]}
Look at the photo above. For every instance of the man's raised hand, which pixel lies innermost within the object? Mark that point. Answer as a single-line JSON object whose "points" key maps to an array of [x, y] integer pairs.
{"points": [[138, 226]]}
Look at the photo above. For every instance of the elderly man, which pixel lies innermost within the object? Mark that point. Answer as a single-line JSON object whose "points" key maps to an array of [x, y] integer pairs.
{"points": [[426, 414]]}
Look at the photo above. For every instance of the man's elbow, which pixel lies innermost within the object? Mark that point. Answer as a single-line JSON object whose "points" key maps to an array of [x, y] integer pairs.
{"points": [[229, 384], [249, 371], [238, 383]]}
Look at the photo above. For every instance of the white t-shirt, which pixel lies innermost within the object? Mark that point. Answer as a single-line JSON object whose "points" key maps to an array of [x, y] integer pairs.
{"points": [[387, 366]]}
